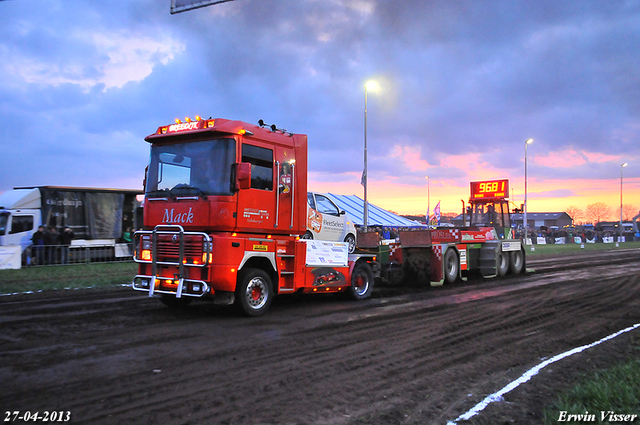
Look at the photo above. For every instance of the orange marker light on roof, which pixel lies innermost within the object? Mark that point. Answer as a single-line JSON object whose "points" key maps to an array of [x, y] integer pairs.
{"points": [[178, 121], [187, 119], [198, 118]]}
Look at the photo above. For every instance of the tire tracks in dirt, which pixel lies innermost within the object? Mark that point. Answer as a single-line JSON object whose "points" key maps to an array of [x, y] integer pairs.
{"points": [[408, 359]]}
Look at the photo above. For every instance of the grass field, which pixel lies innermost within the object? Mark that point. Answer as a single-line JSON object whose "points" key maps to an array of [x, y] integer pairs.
{"points": [[575, 249], [614, 390], [64, 277]]}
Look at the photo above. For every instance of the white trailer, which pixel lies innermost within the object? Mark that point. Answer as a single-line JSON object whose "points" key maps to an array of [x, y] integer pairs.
{"points": [[97, 217]]}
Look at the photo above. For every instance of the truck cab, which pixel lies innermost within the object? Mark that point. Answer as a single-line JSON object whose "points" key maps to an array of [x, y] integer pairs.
{"points": [[225, 213], [20, 217]]}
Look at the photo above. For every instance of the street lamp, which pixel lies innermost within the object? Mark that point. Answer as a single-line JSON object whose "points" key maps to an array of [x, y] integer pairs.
{"points": [[369, 85], [621, 167], [428, 199], [526, 223]]}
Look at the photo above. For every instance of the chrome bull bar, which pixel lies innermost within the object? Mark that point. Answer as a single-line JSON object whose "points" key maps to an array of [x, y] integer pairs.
{"points": [[158, 248]]}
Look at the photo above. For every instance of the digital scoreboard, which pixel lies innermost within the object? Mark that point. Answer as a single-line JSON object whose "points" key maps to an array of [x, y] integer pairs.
{"points": [[490, 189]]}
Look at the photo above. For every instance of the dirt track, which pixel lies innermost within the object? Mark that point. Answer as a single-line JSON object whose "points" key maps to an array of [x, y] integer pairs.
{"points": [[117, 356]]}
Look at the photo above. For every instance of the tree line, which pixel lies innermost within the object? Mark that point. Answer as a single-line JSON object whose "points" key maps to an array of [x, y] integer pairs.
{"points": [[600, 211]]}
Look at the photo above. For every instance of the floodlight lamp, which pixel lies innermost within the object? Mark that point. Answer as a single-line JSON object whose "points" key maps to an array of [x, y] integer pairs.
{"points": [[372, 85]]}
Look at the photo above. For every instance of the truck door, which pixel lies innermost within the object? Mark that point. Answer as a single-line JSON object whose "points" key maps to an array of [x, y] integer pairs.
{"points": [[287, 193], [256, 205], [21, 228]]}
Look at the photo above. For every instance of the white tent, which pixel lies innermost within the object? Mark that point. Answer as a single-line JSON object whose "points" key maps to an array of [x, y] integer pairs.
{"points": [[354, 207]]}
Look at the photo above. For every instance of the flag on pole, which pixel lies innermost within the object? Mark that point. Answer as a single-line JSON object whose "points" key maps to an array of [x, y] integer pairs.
{"points": [[364, 176], [435, 218]]}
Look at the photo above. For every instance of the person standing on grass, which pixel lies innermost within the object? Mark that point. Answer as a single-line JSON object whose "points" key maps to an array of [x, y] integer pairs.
{"points": [[38, 246], [51, 240], [65, 241]]}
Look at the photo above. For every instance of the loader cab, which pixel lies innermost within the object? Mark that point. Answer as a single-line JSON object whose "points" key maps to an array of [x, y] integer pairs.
{"points": [[489, 206], [490, 214]]}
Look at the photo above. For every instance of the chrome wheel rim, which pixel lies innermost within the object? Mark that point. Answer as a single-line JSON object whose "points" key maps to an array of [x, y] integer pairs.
{"points": [[257, 293]]}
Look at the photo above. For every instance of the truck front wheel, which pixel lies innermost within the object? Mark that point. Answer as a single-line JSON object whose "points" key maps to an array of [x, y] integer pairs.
{"points": [[361, 281], [254, 292]]}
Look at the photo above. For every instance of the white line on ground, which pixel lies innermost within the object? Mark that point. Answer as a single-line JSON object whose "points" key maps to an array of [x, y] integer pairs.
{"points": [[531, 373]]}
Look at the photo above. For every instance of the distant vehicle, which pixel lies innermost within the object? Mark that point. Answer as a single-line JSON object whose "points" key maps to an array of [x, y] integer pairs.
{"points": [[97, 217], [325, 221]]}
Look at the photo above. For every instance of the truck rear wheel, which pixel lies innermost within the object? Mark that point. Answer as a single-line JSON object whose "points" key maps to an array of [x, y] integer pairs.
{"points": [[254, 292], [503, 263], [361, 281], [451, 266], [516, 262]]}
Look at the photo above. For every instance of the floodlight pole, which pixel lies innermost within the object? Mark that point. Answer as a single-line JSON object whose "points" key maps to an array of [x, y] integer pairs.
{"points": [[526, 223], [365, 176], [428, 199], [621, 167], [369, 85]]}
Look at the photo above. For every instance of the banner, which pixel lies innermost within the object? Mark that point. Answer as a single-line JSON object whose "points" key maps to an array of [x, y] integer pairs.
{"points": [[178, 6]]}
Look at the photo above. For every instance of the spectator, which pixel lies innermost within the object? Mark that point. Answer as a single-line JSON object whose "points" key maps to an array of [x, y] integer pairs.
{"points": [[65, 241], [38, 246], [51, 240]]}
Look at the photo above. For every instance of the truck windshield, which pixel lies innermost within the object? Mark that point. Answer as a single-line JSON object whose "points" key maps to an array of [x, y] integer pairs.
{"points": [[193, 168], [4, 218]]}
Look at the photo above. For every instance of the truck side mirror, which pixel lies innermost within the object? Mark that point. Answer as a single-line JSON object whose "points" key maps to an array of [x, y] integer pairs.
{"points": [[243, 175]]}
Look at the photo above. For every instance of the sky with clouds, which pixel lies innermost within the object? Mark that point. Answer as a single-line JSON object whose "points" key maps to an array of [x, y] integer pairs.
{"points": [[462, 83]]}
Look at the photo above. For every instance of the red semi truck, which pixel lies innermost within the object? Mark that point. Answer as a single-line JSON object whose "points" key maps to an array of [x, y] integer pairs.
{"points": [[225, 209], [224, 215]]}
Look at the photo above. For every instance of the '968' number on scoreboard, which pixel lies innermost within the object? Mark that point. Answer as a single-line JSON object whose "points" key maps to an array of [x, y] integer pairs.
{"points": [[491, 187]]}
